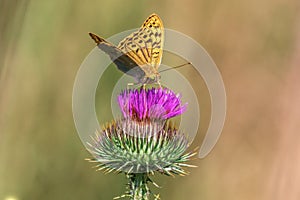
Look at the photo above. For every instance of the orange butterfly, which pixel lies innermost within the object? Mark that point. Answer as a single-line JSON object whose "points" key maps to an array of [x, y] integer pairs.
{"points": [[139, 54]]}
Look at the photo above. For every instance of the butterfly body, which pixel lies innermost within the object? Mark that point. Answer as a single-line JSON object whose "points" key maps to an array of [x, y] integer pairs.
{"points": [[138, 55]]}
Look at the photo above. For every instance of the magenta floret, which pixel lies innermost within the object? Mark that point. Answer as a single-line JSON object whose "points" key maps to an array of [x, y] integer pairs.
{"points": [[155, 103]]}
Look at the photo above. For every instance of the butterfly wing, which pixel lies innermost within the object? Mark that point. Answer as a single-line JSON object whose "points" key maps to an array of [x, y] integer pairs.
{"points": [[145, 46], [124, 63]]}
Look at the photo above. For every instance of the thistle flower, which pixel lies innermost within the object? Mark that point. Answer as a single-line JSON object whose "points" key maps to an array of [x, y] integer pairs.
{"points": [[155, 103], [143, 141]]}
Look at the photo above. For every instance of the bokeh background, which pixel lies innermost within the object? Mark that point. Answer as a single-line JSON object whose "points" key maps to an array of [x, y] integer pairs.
{"points": [[256, 45]]}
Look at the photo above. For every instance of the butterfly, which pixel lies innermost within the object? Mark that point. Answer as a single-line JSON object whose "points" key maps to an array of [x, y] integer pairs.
{"points": [[139, 54]]}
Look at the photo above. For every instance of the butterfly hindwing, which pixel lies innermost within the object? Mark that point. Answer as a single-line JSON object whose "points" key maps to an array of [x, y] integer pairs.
{"points": [[156, 34], [145, 45]]}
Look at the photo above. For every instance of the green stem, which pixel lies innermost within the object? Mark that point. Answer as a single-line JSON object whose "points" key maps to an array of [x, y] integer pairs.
{"points": [[138, 186]]}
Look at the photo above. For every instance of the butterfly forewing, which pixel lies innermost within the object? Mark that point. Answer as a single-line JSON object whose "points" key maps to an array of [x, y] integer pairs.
{"points": [[123, 61]]}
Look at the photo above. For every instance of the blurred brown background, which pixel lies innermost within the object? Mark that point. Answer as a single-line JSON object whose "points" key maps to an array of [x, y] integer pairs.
{"points": [[256, 45]]}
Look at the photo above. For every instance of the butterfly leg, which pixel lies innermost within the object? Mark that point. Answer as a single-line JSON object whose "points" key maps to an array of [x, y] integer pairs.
{"points": [[158, 82], [132, 85], [129, 84]]}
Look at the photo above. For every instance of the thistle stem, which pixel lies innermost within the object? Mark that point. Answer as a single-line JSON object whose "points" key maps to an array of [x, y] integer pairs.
{"points": [[138, 186]]}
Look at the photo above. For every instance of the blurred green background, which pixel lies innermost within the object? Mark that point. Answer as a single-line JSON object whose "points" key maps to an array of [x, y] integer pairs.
{"points": [[42, 44]]}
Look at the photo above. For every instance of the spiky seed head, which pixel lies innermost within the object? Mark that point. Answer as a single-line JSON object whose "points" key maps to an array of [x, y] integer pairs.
{"points": [[140, 147]]}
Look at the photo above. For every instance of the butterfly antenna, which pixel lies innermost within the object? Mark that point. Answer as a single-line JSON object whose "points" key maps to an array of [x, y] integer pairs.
{"points": [[189, 63]]}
